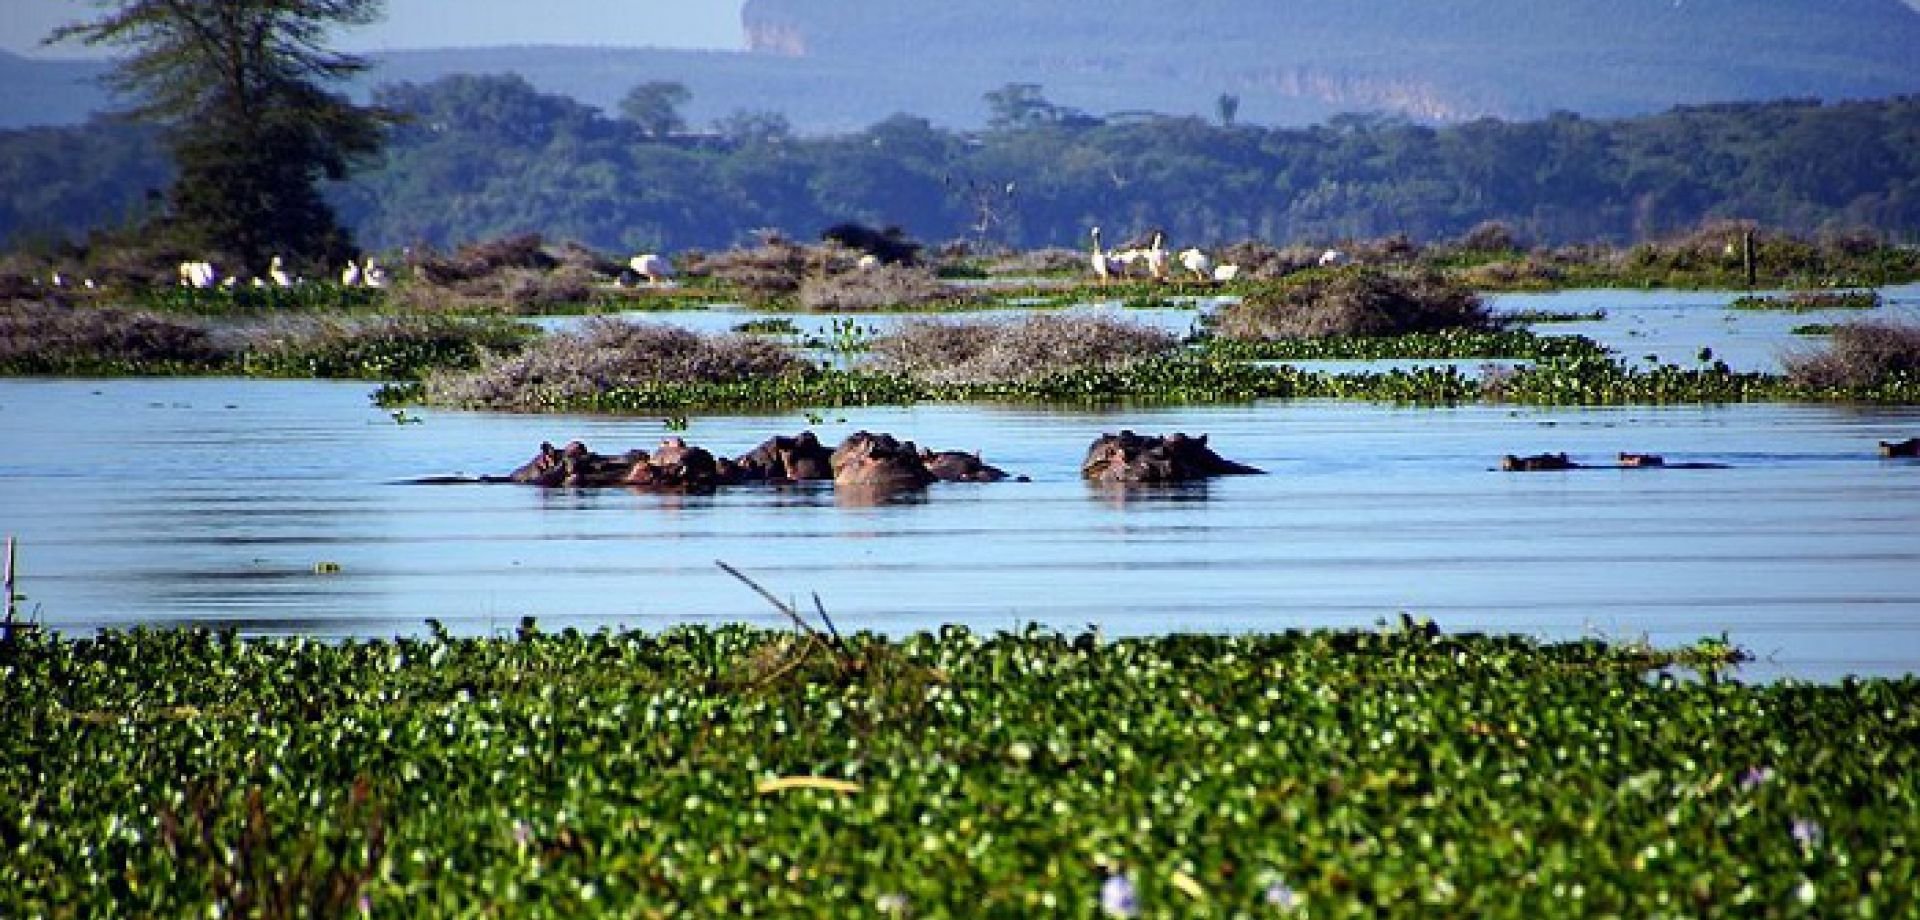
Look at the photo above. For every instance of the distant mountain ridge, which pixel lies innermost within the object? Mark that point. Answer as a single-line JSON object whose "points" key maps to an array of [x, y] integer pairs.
{"points": [[840, 65]]}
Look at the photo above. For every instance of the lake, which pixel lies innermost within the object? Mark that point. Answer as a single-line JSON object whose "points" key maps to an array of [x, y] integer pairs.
{"points": [[233, 502]]}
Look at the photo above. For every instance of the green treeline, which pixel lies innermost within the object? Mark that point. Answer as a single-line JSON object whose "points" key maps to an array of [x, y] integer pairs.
{"points": [[486, 156]]}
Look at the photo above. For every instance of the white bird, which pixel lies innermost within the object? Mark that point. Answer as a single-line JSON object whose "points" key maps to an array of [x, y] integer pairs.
{"points": [[1196, 262], [652, 266], [277, 270], [198, 275], [58, 280], [374, 275], [1105, 266], [1226, 272], [1334, 258], [90, 285], [1157, 258], [350, 276], [867, 263]]}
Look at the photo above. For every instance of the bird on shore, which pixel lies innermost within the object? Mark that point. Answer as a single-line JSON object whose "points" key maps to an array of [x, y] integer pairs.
{"points": [[373, 275], [1156, 256], [1226, 272], [1196, 262], [1105, 266], [651, 266], [277, 270], [1334, 258], [350, 276]]}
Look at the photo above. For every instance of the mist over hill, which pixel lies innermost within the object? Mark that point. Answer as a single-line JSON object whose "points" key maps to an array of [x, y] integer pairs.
{"points": [[838, 65]]}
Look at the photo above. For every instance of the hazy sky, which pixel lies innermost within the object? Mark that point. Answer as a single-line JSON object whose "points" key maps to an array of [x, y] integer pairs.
{"points": [[458, 23]]}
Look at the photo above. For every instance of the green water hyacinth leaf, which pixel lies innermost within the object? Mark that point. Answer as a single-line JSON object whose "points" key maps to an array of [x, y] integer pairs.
{"points": [[1403, 771]]}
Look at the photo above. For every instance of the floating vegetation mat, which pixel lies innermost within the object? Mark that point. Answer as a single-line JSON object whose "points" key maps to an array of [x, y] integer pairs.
{"points": [[732, 771]]}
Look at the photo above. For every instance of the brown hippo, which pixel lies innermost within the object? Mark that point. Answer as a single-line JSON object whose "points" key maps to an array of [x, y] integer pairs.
{"points": [[1640, 460], [1128, 457], [675, 466], [1907, 448], [781, 458], [878, 460], [959, 466], [1536, 463], [575, 465]]}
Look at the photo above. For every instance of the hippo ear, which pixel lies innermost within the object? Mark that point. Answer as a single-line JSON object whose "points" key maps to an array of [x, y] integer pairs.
{"points": [[1202, 440]]}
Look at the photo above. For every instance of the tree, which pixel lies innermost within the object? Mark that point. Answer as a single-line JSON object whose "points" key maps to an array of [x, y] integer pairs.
{"points": [[1019, 105], [655, 107], [240, 87], [748, 126]]}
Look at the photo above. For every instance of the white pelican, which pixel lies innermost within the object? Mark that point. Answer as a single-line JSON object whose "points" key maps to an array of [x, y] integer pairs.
{"points": [[1196, 262], [350, 276], [277, 270], [1157, 258], [652, 266]]}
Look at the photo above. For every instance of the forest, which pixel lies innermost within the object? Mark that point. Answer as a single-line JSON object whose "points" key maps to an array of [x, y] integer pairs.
{"points": [[482, 156]]}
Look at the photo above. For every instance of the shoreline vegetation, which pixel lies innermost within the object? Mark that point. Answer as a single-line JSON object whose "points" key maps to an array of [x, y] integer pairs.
{"points": [[732, 770], [445, 334]]}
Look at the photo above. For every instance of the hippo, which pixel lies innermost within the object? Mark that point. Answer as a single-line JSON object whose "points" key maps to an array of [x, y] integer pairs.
{"points": [[1639, 460], [575, 465], [784, 459], [1907, 448], [1536, 463], [1131, 458], [878, 460], [959, 466], [675, 466]]}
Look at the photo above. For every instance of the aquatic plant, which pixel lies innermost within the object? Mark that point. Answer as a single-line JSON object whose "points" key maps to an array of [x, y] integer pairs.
{"points": [[1397, 772], [50, 338], [388, 348], [1862, 354], [1352, 302], [1446, 343], [577, 368], [1808, 301], [1019, 351], [881, 287]]}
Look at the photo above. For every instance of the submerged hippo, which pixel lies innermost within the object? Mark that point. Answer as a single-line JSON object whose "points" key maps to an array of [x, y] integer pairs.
{"points": [[675, 466], [1536, 463], [879, 461], [960, 466], [575, 465], [1907, 448], [780, 458], [1128, 457]]}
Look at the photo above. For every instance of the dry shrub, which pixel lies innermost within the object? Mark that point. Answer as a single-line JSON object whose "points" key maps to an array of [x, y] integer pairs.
{"points": [[1263, 261], [607, 353], [1860, 355], [1510, 273], [531, 290], [38, 332], [773, 268], [477, 260], [876, 288], [1029, 349], [1039, 262], [1362, 302]]}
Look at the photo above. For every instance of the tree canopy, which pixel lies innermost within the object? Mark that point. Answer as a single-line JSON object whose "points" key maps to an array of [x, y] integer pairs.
{"points": [[242, 90]]}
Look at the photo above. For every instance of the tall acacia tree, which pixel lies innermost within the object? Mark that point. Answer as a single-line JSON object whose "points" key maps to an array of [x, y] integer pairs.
{"points": [[242, 88]]}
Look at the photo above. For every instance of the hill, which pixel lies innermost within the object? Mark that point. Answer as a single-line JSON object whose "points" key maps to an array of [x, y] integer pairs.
{"points": [[839, 65]]}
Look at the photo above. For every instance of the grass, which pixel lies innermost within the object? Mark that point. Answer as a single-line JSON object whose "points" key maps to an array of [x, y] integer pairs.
{"points": [[1862, 355], [1020, 351], [1353, 302], [733, 771], [1808, 301]]}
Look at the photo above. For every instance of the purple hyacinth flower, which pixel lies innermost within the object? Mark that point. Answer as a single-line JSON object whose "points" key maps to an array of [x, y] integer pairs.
{"points": [[1117, 897]]}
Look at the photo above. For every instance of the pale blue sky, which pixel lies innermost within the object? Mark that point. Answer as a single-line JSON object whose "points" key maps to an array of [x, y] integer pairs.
{"points": [[457, 23]]}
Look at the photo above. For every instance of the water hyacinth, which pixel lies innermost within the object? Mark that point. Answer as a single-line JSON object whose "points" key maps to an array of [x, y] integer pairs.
{"points": [[1806, 832], [1282, 896]]}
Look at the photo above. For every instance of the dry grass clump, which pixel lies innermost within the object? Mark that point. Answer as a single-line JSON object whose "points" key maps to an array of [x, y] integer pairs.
{"points": [[604, 354], [51, 336], [1362, 302], [1860, 355], [478, 260], [877, 288], [774, 268], [994, 351], [531, 290], [1051, 260], [1265, 262]]}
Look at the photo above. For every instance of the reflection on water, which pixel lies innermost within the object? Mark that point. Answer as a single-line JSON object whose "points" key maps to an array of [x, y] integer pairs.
{"points": [[285, 506]]}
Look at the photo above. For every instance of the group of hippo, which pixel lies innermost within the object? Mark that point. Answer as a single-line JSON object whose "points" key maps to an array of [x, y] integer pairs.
{"points": [[884, 463], [863, 460]]}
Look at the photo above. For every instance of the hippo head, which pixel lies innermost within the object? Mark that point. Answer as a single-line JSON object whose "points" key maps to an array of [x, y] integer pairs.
{"points": [[866, 459], [1128, 457]]}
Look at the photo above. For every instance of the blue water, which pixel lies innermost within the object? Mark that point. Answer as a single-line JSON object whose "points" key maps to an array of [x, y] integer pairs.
{"points": [[224, 501]]}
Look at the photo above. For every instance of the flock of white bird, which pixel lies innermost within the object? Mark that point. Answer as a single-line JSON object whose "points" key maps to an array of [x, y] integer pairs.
{"points": [[202, 274], [1153, 260], [1122, 263]]}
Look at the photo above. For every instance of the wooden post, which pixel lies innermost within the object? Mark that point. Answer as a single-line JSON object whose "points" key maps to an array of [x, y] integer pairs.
{"points": [[8, 584], [1746, 255]]}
